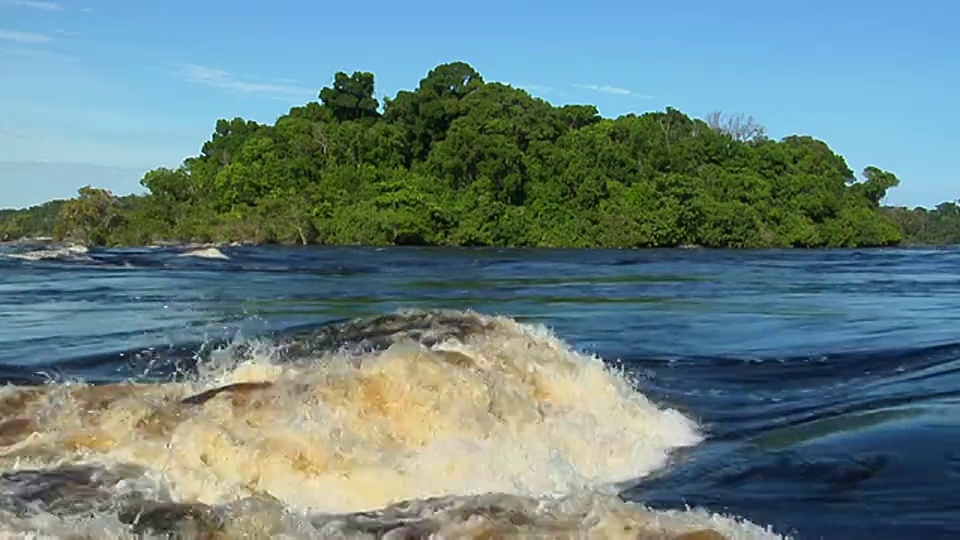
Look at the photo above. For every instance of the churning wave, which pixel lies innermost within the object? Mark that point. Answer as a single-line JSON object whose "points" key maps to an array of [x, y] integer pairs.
{"points": [[78, 253], [408, 425], [70, 252]]}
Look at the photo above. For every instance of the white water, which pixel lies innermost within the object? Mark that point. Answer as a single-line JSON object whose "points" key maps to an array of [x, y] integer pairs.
{"points": [[69, 252], [206, 253], [512, 411]]}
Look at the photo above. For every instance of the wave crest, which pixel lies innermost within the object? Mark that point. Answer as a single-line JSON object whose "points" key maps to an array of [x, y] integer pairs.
{"points": [[450, 405]]}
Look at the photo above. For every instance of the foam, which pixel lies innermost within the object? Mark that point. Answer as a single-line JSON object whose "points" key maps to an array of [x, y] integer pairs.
{"points": [[205, 253], [510, 411], [64, 253]]}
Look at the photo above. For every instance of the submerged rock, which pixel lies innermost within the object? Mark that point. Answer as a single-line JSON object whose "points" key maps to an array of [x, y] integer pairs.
{"points": [[73, 492], [70, 490], [236, 389], [497, 515], [427, 328], [191, 520]]}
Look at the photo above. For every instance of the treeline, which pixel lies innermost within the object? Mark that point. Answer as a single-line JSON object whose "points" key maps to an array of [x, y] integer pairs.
{"points": [[920, 226], [34, 222], [461, 161]]}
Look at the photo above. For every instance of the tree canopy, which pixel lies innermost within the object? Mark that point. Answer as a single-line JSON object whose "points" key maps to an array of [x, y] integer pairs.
{"points": [[922, 226], [462, 161]]}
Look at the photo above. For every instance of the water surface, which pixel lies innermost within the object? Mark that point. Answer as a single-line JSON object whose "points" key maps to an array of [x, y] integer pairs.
{"points": [[824, 385]]}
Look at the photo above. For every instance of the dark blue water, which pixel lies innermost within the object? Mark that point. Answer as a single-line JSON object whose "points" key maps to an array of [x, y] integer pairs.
{"points": [[828, 381]]}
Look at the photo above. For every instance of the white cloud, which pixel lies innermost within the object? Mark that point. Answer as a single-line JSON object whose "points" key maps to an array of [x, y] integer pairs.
{"points": [[219, 78], [612, 90], [34, 4], [54, 142], [23, 37]]}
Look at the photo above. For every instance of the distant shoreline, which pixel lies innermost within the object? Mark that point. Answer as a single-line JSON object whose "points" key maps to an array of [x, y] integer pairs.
{"points": [[460, 161], [48, 243]]}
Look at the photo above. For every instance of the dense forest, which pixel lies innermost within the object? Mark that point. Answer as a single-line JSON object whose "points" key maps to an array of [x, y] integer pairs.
{"points": [[36, 222], [920, 226], [460, 161]]}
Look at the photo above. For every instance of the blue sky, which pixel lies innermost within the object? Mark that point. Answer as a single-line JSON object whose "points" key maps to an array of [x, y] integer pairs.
{"points": [[99, 91]]}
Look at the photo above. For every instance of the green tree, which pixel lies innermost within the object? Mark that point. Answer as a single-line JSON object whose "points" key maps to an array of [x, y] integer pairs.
{"points": [[351, 96], [877, 183], [12, 226], [91, 217], [461, 161]]}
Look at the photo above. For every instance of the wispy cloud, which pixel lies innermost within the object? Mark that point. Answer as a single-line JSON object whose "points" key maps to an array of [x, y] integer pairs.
{"points": [[33, 4], [617, 91], [35, 54], [219, 78], [537, 88], [35, 182], [17, 36]]}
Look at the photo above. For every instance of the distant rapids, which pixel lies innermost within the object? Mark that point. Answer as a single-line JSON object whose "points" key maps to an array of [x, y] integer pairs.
{"points": [[414, 424]]}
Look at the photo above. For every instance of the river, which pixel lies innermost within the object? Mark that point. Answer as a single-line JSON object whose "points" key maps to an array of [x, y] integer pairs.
{"points": [[401, 392]]}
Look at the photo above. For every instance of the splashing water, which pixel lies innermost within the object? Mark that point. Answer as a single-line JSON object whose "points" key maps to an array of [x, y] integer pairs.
{"points": [[206, 253], [70, 252], [469, 426]]}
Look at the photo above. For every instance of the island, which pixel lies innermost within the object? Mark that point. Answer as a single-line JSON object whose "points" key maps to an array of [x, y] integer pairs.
{"points": [[459, 161]]}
